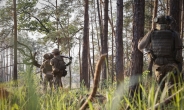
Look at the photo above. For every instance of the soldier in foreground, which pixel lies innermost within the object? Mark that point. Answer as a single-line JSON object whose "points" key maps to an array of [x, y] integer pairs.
{"points": [[165, 46]]}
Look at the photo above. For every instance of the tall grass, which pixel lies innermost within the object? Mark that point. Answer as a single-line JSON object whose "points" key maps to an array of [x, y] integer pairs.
{"points": [[30, 96]]}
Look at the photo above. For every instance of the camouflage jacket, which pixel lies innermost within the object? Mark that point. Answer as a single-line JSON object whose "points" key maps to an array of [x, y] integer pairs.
{"points": [[46, 67]]}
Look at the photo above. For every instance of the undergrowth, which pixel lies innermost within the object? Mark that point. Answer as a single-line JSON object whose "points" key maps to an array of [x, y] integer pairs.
{"points": [[30, 96]]}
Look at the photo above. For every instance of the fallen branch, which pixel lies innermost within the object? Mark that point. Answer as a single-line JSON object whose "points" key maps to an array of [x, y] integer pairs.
{"points": [[167, 100], [96, 81]]}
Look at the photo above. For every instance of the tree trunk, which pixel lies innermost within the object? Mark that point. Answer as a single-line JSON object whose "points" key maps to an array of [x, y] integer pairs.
{"points": [[80, 64], [182, 18], [100, 21], [119, 43], [176, 14], [112, 62], [104, 41], [137, 56], [153, 27], [15, 41], [85, 52]]}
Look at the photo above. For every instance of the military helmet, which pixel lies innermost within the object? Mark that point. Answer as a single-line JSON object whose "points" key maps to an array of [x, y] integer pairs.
{"points": [[55, 51], [163, 19], [46, 56]]}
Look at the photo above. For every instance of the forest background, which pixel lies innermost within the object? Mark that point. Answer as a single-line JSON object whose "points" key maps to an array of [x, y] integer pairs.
{"points": [[84, 30]]}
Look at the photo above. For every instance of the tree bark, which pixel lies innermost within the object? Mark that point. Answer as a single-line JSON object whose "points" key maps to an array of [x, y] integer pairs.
{"points": [[176, 15], [113, 33], [153, 27], [15, 41], [119, 43], [105, 40], [137, 56], [85, 52]]}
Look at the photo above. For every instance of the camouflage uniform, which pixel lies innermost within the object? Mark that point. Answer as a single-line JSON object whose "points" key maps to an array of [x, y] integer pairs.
{"points": [[165, 47], [57, 73], [47, 70]]}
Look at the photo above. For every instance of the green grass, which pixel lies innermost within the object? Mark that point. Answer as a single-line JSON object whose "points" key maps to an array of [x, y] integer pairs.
{"points": [[29, 96]]}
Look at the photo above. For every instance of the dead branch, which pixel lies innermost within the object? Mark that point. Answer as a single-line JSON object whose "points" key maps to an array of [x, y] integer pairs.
{"points": [[96, 81], [32, 57]]}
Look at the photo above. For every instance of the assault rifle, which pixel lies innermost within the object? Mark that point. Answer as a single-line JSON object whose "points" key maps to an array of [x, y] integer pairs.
{"points": [[70, 60]]}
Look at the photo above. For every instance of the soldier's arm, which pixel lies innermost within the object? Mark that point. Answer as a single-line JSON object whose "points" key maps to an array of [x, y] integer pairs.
{"points": [[145, 41], [51, 62], [42, 66]]}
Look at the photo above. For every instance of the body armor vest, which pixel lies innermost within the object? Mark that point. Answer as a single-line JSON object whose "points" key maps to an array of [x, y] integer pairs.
{"points": [[162, 43]]}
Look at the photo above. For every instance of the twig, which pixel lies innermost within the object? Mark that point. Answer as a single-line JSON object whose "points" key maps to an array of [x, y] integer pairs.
{"points": [[96, 81]]}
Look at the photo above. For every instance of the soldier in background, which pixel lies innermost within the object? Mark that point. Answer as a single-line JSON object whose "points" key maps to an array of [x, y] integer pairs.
{"points": [[46, 68], [59, 67], [165, 46]]}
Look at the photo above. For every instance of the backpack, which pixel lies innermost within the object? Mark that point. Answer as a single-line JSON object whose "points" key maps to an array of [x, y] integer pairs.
{"points": [[61, 66]]}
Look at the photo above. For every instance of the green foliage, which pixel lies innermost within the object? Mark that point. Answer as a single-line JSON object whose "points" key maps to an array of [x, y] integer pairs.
{"points": [[30, 96]]}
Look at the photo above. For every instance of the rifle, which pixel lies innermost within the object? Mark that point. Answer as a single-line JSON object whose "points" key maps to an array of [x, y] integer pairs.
{"points": [[70, 60]]}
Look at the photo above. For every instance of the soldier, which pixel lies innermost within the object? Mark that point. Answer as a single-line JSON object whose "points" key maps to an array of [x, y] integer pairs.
{"points": [[165, 46], [47, 70], [58, 67]]}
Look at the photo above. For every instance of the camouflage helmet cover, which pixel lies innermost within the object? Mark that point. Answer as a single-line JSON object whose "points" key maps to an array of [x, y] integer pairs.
{"points": [[55, 51], [163, 19], [46, 56]]}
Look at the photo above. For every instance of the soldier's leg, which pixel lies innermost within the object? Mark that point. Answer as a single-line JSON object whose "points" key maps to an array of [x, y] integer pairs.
{"points": [[159, 77], [51, 81], [45, 82], [60, 82]]}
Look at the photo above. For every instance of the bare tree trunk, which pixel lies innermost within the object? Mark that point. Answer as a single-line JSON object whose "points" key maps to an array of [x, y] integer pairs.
{"points": [[119, 43], [100, 22], [137, 56], [154, 13], [80, 64], [105, 40], [7, 63], [15, 41], [11, 63], [182, 18], [98, 38], [167, 5], [112, 63], [85, 52], [1, 69], [176, 14], [153, 27], [4, 65], [92, 64]]}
